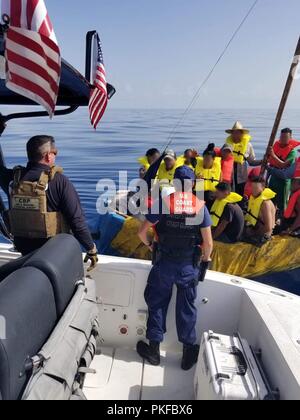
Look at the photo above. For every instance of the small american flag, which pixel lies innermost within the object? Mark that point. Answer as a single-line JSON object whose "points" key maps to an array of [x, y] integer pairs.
{"points": [[99, 97], [33, 60]]}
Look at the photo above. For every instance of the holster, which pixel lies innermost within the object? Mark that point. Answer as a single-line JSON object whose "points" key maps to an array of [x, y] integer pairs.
{"points": [[204, 266]]}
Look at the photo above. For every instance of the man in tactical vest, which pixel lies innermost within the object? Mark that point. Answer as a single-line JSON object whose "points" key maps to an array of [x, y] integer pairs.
{"points": [[182, 227], [43, 202]]}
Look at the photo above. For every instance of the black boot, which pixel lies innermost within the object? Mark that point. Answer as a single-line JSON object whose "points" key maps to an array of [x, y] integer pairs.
{"points": [[190, 357], [149, 352]]}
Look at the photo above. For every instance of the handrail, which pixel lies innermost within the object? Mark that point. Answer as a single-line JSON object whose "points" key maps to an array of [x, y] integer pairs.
{"points": [[4, 119]]}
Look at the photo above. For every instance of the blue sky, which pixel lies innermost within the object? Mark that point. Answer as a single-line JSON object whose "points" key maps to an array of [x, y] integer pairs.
{"points": [[157, 52]]}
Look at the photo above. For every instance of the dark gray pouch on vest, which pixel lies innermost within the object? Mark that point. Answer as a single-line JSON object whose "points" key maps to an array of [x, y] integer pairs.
{"points": [[67, 355]]}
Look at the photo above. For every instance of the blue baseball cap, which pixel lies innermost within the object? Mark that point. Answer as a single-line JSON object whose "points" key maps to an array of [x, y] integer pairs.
{"points": [[184, 172]]}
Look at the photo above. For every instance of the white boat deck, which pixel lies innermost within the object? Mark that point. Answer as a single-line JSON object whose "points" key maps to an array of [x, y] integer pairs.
{"points": [[122, 375]]}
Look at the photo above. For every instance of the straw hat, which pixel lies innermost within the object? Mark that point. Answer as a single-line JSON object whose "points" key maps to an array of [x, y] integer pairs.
{"points": [[238, 127]]}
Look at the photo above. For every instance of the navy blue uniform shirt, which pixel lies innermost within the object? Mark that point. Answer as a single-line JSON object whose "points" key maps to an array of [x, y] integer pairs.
{"points": [[61, 197]]}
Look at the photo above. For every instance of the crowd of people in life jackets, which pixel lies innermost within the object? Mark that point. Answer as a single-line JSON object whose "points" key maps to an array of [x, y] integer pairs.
{"points": [[244, 204]]}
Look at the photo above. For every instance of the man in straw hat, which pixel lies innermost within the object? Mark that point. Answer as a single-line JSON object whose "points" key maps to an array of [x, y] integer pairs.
{"points": [[240, 141]]}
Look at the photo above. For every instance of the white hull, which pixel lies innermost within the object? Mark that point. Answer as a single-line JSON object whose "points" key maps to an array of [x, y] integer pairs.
{"points": [[268, 318]]}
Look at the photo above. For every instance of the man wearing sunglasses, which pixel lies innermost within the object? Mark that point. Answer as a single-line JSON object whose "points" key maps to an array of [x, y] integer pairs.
{"points": [[43, 202]]}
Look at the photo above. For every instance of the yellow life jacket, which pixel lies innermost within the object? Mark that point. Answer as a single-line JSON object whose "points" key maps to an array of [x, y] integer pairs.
{"points": [[239, 149], [219, 206], [254, 206], [144, 162], [211, 176], [164, 177], [28, 214], [181, 162]]}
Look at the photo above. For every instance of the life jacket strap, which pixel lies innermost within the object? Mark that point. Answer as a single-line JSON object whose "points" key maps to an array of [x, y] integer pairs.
{"points": [[239, 154], [213, 213], [254, 217], [211, 179]]}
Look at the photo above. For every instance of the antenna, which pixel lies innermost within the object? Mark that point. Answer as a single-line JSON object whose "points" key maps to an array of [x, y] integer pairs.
{"points": [[90, 36]]}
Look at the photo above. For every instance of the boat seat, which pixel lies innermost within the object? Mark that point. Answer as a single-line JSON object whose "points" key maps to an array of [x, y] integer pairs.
{"points": [[12, 266], [60, 259], [27, 318]]}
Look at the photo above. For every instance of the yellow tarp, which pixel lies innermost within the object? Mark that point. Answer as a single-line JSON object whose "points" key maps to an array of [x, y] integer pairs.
{"points": [[243, 260], [127, 242]]}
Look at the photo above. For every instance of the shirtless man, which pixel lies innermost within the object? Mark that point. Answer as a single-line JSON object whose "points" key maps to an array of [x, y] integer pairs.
{"points": [[261, 214]]}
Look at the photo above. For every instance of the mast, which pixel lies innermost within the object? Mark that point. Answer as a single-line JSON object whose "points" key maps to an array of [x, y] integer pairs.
{"points": [[291, 77]]}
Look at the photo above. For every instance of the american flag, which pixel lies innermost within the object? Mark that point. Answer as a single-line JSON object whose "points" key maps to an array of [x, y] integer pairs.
{"points": [[33, 60], [99, 97]]}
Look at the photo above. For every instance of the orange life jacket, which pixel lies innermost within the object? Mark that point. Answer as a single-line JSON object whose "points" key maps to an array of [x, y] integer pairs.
{"points": [[290, 211], [227, 166], [283, 152], [184, 203]]}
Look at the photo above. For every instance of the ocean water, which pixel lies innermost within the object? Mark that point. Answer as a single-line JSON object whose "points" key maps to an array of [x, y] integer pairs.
{"points": [[124, 135]]}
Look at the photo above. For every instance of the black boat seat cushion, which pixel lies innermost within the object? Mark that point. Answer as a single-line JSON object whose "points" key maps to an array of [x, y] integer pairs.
{"points": [[28, 307], [12, 266], [61, 260]]}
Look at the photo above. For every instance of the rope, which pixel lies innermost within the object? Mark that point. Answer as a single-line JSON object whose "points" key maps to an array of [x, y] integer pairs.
{"points": [[211, 72]]}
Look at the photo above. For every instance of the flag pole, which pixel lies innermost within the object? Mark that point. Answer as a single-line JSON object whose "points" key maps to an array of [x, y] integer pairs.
{"points": [[284, 99]]}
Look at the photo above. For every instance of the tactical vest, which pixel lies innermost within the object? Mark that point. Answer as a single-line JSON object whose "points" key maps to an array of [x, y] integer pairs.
{"points": [[176, 237], [28, 214]]}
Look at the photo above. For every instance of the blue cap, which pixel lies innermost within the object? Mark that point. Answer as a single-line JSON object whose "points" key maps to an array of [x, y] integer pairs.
{"points": [[184, 172]]}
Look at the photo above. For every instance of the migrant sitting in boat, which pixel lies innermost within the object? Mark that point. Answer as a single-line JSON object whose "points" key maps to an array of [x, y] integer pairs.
{"points": [[226, 155], [146, 161], [261, 213], [167, 169], [208, 170], [227, 216]]}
